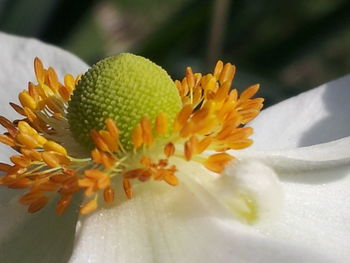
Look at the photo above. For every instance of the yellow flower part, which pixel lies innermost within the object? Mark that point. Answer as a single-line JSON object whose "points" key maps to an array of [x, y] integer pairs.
{"points": [[64, 147]]}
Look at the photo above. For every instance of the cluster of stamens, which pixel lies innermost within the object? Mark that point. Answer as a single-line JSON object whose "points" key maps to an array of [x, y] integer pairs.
{"points": [[212, 118]]}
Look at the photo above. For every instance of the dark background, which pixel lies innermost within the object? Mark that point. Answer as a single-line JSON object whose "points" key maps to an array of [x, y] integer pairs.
{"points": [[287, 46]]}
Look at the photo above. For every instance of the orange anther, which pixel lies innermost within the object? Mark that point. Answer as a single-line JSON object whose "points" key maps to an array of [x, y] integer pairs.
{"points": [[4, 167], [30, 197], [96, 156], [145, 161], [203, 144], [20, 160], [187, 129], [8, 125], [249, 92], [182, 117], [171, 179], [161, 124], [169, 149], [64, 92], [17, 108], [63, 204], [108, 195], [50, 159], [188, 150], [190, 78], [20, 183], [98, 141], [127, 188], [39, 70], [135, 173], [217, 162], [110, 141], [137, 138], [107, 160], [7, 140], [38, 204], [88, 207], [146, 131], [53, 79], [112, 128]]}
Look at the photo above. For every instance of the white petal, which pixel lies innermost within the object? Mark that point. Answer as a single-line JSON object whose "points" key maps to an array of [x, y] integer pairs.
{"points": [[177, 224], [16, 70], [34, 238], [42, 237], [316, 183], [313, 117]]}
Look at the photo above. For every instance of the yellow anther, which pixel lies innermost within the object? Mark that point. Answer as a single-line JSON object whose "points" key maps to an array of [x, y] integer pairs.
{"points": [[88, 207], [218, 68], [69, 82], [27, 100], [55, 147], [161, 124], [24, 127], [27, 140], [50, 159]]}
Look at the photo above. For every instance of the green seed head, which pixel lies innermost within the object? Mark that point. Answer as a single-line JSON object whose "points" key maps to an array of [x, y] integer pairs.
{"points": [[125, 88]]}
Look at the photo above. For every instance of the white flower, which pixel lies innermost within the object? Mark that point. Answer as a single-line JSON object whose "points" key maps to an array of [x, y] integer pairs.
{"points": [[193, 222]]}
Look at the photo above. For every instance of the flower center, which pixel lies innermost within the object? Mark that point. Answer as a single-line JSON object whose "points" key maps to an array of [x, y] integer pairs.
{"points": [[135, 121]]}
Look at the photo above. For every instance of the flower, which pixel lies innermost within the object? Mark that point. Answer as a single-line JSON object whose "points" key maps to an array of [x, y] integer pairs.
{"points": [[189, 223]]}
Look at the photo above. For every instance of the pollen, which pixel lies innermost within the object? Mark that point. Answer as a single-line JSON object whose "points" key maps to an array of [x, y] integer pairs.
{"points": [[122, 123]]}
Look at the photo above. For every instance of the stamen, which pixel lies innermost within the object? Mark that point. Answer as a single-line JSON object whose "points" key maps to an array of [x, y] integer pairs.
{"points": [[137, 137], [127, 188], [217, 162], [161, 124], [146, 131], [88, 207], [169, 149]]}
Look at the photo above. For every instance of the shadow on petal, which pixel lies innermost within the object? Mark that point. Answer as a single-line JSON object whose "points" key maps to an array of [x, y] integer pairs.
{"points": [[41, 237], [336, 124]]}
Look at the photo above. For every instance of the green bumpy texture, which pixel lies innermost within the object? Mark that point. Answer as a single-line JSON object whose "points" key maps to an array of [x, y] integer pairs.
{"points": [[125, 88]]}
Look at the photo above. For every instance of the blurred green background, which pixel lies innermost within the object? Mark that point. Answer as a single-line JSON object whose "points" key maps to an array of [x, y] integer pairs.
{"points": [[287, 46]]}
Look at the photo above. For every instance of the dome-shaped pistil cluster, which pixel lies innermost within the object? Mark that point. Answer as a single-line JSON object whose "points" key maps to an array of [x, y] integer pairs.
{"points": [[124, 88], [136, 121]]}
